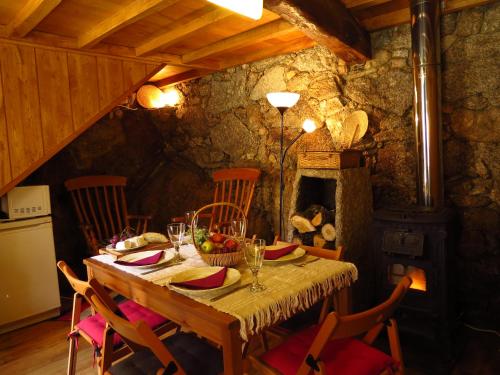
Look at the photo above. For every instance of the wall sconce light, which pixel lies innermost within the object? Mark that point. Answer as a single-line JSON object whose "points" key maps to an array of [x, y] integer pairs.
{"points": [[171, 97], [248, 8], [282, 101], [151, 97]]}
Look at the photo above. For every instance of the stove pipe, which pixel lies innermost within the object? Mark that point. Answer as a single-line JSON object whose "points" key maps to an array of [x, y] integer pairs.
{"points": [[426, 60]]}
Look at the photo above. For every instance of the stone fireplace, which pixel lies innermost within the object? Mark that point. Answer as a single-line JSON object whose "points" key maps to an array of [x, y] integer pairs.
{"points": [[347, 193]]}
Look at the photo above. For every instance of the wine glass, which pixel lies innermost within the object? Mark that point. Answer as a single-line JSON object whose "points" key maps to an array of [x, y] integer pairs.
{"points": [[254, 255], [238, 228], [176, 234], [189, 216]]}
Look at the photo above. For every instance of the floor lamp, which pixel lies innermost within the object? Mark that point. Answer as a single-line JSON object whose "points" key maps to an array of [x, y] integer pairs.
{"points": [[282, 101]]}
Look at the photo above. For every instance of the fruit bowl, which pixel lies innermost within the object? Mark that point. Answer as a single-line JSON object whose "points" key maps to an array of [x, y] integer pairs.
{"points": [[215, 246]]}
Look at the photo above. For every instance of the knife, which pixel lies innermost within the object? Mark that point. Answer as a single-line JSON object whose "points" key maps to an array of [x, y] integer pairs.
{"points": [[220, 296]]}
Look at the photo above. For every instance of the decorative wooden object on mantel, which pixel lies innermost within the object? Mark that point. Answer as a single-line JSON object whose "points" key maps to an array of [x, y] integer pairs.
{"points": [[329, 159]]}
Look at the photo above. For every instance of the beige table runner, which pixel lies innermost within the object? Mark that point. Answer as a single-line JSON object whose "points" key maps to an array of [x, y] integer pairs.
{"points": [[289, 289]]}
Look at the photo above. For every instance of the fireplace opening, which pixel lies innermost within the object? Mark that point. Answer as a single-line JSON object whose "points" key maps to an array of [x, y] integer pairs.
{"points": [[314, 190], [397, 271], [314, 218]]}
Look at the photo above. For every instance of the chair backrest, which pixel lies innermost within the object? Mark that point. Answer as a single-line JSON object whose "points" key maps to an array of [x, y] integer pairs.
{"points": [[234, 185], [100, 205], [137, 335], [80, 286], [369, 322], [334, 254]]}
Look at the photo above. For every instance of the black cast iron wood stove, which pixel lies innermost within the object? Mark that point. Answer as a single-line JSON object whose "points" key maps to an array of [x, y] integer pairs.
{"points": [[419, 241]]}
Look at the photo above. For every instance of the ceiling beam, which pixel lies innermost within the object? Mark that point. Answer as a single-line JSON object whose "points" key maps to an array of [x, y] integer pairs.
{"points": [[329, 23], [397, 12], [125, 16], [266, 31], [182, 77], [181, 28], [30, 15], [274, 50]]}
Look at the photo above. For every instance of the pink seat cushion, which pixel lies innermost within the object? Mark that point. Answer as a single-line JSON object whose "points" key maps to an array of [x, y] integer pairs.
{"points": [[345, 356], [94, 325]]}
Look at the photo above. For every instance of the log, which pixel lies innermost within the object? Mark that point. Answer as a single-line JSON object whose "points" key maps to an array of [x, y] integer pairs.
{"points": [[316, 214], [302, 224], [328, 231], [318, 240]]}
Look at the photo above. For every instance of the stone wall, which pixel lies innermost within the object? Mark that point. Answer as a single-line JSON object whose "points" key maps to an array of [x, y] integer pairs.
{"points": [[226, 121]]}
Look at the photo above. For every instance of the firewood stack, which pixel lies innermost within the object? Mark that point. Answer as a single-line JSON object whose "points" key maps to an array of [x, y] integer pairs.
{"points": [[315, 226]]}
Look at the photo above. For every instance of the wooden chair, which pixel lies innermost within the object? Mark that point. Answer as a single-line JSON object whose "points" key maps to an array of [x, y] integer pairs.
{"points": [[181, 353], [280, 330], [331, 348], [233, 185], [101, 207], [93, 328]]}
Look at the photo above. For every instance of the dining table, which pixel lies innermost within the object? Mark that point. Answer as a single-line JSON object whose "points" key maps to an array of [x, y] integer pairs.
{"points": [[230, 317]]}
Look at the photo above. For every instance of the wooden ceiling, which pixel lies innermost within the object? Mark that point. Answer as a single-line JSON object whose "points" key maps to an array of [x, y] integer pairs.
{"points": [[194, 37]]}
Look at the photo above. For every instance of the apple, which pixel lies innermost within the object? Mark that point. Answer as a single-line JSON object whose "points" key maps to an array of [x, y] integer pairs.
{"points": [[218, 248], [218, 238], [207, 246], [230, 245]]}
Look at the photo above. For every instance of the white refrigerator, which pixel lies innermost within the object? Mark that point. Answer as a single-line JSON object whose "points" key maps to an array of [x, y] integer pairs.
{"points": [[29, 290]]}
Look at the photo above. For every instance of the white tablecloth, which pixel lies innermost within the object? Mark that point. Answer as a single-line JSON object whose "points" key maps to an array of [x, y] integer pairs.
{"points": [[289, 289]]}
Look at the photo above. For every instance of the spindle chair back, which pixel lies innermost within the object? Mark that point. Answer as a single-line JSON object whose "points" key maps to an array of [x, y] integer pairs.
{"points": [[101, 206], [234, 185]]}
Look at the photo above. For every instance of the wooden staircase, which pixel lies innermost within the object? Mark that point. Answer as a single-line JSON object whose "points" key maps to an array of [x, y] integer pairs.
{"points": [[49, 96]]}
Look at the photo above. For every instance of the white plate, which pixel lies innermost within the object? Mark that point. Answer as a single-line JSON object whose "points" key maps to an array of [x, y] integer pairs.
{"points": [[232, 277], [296, 254], [167, 257]]}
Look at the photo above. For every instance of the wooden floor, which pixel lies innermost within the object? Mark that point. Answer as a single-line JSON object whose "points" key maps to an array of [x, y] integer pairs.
{"points": [[42, 349]]}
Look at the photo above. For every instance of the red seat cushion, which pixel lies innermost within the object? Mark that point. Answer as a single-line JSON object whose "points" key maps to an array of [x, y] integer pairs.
{"points": [[345, 356], [94, 325]]}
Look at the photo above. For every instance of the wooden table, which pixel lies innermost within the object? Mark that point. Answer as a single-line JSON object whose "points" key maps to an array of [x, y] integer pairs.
{"points": [[219, 327]]}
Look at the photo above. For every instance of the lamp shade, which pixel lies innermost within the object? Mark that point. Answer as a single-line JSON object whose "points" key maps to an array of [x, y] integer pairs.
{"points": [[248, 8], [149, 96], [283, 99], [309, 126]]}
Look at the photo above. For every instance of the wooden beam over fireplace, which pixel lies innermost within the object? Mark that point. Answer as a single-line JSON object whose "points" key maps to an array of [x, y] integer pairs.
{"points": [[329, 23]]}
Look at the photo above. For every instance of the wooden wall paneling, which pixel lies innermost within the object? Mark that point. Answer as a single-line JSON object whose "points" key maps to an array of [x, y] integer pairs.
{"points": [[53, 88], [133, 72], [22, 106], [110, 79], [5, 174], [83, 87]]}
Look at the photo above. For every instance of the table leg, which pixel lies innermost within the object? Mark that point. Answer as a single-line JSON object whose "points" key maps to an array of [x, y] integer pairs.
{"points": [[231, 346], [342, 301]]}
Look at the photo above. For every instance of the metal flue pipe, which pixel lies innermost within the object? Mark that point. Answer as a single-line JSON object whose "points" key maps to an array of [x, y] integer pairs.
{"points": [[427, 101]]}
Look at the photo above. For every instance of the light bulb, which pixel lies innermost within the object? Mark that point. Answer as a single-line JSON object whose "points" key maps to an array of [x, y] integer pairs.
{"points": [[171, 97], [309, 126]]}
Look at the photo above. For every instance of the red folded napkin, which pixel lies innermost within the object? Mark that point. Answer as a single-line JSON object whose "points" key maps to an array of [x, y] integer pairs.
{"points": [[275, 254], [150, 260], [214, 280]]}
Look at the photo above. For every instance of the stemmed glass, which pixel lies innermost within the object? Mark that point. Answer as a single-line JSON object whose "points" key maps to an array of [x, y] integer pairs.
{"points": [[176, 234], [238, 229], [254, 255], [188, 216]]}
